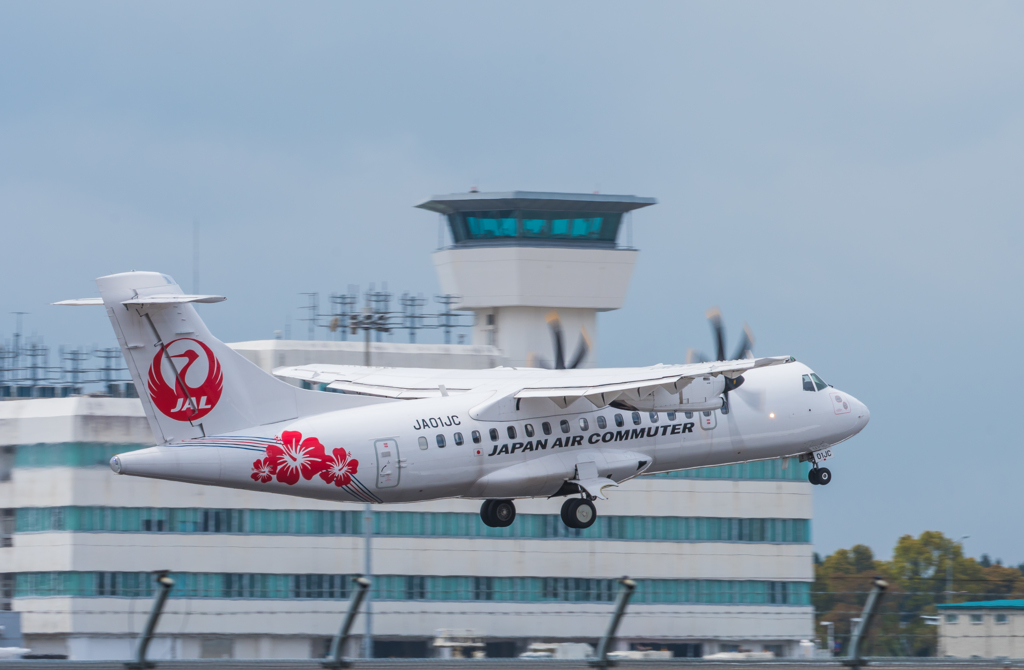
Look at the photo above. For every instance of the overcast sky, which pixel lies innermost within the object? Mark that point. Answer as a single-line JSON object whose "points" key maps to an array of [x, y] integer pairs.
{"points": [[846, 177]]}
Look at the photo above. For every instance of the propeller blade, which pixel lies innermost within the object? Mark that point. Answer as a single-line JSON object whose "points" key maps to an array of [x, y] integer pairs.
{"points": [[715, 317], [694, 356], [753, 399], [746, 347], [581, 350], [556, 333]]}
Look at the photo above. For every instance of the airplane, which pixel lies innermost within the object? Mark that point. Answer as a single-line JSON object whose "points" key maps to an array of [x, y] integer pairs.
{"points": [[401, 435]]}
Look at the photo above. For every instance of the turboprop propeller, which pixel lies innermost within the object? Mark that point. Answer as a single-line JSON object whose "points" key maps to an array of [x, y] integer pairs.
{"points": [[582, 349], [744, 350]]}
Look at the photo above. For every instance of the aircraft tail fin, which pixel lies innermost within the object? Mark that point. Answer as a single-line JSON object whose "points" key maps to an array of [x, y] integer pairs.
{"points": [[191, 384]]}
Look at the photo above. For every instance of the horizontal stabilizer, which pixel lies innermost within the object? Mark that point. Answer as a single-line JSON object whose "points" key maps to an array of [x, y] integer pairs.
{"points": [[79, 302], [170, 299]]}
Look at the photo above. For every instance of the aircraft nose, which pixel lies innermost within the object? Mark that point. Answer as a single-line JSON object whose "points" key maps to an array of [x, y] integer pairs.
{"points": [[861, 411]]}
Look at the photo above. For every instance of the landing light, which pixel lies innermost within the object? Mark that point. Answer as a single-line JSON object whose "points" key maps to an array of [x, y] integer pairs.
{"points": [[771, 415]]}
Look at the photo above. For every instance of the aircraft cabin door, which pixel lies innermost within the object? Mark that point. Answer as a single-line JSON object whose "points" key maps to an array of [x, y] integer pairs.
{"points": [[387, 463], [708, 420]]}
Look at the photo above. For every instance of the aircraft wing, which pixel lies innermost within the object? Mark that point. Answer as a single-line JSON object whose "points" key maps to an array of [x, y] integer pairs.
{"points": [[599, 385], [642, 382], [402, 383]]}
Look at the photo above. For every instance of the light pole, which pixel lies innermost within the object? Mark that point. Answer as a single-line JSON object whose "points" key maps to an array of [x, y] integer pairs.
{"points": [[367, 573], [831, 637], [949, 570]]}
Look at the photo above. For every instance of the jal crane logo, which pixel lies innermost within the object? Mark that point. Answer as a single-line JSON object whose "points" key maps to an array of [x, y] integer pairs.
{"points": [[194, 391]]}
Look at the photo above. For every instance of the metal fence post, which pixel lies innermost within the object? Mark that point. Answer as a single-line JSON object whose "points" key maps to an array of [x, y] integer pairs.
{"points": [[334, 659], [853, 658], [165, 583], [625, 592]]}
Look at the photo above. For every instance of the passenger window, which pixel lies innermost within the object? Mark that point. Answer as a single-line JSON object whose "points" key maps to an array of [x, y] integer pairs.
{"points": [[458, 439], [476, 436], [808, 384], [817, 381], [493, 432], [440, 441], [423, 442], [584, 425], [564, 425], [529, 430], [654, 417], [671, 416], [601, 423], [546, 427], [688, 415], [511, 432], [619, 422], [636, 418]]}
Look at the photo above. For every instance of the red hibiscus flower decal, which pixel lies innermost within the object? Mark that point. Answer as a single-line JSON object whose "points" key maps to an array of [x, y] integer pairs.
{"points": [[340, 468], [296, 457], [263, 470]]}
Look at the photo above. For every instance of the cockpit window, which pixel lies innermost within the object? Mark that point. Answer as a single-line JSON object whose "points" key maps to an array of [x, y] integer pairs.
{"points": [[817, 381], [808, 384]]}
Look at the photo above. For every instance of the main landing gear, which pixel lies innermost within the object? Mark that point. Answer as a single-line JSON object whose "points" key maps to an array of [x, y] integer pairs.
{"points": [[498, 513], [578, 513]]}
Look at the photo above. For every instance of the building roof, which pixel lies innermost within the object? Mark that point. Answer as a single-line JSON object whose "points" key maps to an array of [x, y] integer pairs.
{"points": [[533, 200], [986, 604]]}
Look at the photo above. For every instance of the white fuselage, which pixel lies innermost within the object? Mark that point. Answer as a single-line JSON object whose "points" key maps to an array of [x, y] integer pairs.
{"points": [[538, 447]]}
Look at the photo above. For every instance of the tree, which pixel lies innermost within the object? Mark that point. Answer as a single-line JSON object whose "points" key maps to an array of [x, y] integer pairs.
{"points": [[917, 576]]}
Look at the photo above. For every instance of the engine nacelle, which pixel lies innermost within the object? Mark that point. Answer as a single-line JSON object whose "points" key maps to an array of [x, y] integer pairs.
{"points": [[703, 394]]}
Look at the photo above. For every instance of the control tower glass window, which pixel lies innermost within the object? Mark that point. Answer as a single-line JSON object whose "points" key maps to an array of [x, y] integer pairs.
{"points": [[538, 225], [488, 225]]}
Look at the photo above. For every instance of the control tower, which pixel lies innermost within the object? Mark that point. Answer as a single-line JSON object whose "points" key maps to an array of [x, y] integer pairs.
{"points": [[518, 255]]}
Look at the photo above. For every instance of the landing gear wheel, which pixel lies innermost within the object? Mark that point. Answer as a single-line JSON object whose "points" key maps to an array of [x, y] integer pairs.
{"points": [[824, 476], [485, 513], [584, 514], [578, 513], [498, 513], [566, 515], [503, 513], [812, 476]]}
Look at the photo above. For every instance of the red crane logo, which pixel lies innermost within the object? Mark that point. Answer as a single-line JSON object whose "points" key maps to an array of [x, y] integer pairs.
{"points": [[179, 396]]}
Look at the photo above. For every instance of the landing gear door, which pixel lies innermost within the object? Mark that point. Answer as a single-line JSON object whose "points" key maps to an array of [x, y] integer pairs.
{"points": [[387, 463]]}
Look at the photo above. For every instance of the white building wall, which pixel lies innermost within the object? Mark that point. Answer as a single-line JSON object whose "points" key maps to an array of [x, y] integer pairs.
{"points": [[513, 288], [510, 276], [270, 354], [985, 639]]}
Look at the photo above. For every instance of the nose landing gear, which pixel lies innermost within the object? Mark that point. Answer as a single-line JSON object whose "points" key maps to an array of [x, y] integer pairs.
{"points": [[817, 476], [498, 513], [578, 513]]}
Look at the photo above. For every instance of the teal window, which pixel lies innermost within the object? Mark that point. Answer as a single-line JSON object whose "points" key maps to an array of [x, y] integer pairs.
{"points": [[535, 227], [483, 225], [396, 523], [755, 470], [70, 454], [553, 225]]}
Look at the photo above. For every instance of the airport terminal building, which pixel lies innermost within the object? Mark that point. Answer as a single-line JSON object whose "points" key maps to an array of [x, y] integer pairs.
{"points": [[722, 556]]}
